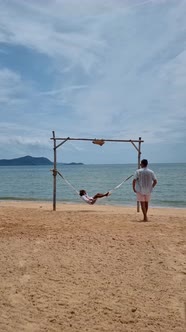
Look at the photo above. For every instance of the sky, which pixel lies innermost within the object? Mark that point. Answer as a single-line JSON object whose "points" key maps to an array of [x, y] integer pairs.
{"points": [[113, 69]]}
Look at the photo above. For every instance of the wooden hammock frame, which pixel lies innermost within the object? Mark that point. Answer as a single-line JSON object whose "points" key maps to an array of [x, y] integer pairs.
{"points": [[135, 143]]}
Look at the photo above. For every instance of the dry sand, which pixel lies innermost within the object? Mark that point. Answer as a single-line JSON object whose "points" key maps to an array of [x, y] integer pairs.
{"points": [[91, 268]]}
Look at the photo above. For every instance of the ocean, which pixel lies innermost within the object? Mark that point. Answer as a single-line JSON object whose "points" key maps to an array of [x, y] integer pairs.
{"points": [[35, 183]]}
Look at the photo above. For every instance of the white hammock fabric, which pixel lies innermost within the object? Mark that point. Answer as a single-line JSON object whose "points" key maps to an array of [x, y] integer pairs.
{"points": [[110, 191]]}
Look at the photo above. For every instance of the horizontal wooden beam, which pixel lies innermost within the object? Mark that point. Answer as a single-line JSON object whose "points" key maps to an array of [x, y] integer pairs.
{"points": [[94, 139]]}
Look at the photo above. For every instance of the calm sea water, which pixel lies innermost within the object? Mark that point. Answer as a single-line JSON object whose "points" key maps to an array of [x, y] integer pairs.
{"points": [[36, 183]]}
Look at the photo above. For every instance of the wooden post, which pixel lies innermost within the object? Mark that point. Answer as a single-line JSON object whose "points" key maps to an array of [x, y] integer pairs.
{"points": [[54, 173]]}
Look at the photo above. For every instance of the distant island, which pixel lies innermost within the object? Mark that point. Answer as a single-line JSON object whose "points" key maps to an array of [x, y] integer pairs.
{"points": [[73, 163], [30, 161]]}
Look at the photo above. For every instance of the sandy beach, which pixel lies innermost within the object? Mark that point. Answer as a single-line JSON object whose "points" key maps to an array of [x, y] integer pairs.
{"points": [[91, 268]]}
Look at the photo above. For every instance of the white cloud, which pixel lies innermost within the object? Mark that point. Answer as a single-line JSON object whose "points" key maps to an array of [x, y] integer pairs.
{"points": [[117, 69], [10, 86]]}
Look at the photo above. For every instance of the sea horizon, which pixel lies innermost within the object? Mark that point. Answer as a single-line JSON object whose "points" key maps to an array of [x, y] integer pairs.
{"points": [[35, 183]]}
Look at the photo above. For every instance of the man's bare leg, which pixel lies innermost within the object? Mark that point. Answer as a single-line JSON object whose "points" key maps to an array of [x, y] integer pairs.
{"points": [[146, 206], [144, 210]]}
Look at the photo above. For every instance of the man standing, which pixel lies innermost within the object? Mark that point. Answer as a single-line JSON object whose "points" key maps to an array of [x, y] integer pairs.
{"points": [[143, 183]]}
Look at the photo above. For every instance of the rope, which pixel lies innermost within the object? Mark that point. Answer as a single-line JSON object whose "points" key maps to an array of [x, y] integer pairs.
{"points": [[119, 185], [77, 191]]}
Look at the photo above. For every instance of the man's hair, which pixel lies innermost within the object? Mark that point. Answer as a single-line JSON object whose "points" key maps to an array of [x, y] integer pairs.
{"points": [[144, 162], [82, 192]]}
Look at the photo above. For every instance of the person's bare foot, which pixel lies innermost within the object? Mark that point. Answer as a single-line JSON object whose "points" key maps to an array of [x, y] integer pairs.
{"points": [[145, 219]]}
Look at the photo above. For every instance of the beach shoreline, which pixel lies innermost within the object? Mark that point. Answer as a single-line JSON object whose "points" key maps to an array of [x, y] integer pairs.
{"points": [[59, 204], [91, 268]]}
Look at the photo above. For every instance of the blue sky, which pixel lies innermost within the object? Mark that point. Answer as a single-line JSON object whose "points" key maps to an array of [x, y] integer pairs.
{"points": [[113, 69]]}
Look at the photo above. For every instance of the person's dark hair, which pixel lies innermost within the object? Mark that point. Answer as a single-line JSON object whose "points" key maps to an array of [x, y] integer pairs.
{"points": [[82, 192], [144, 162]]}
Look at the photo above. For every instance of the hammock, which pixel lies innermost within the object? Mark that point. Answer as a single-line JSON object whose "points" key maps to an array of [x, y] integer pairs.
{"points": [[110, 191]]}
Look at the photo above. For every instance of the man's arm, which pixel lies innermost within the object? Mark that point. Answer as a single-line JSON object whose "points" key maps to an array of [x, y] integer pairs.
{"points": [[154, 183], [134, 185]]}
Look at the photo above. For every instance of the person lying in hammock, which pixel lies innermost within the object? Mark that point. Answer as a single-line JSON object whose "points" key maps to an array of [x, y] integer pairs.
{"points": [[91, 200]]}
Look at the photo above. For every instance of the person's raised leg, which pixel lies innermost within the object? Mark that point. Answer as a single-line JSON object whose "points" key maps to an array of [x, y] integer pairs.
{"points": [[100, 195]]}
